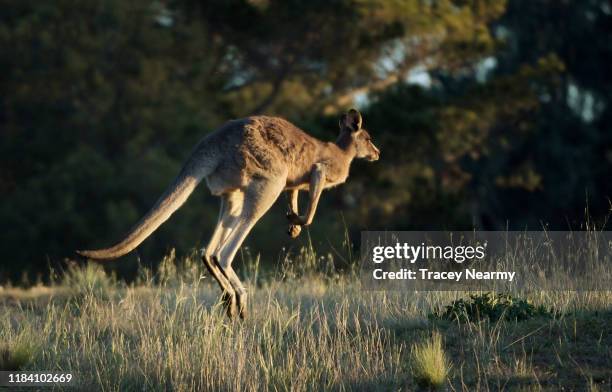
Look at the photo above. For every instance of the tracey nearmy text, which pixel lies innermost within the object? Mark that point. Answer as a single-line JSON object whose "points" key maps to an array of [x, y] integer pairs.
{"points": [[425, 274]]}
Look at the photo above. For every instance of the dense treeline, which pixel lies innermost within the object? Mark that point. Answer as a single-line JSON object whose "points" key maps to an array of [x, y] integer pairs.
{"points": [[489, 114]]}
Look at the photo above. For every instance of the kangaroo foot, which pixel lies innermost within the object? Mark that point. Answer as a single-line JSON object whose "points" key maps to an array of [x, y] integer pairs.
{"points": [[242, 305], [229, 302]]}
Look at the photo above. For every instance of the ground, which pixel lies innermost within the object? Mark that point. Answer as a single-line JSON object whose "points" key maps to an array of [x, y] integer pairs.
{"points": [[307, 331]]}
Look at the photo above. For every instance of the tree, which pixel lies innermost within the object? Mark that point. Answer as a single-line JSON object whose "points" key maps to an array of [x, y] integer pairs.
{"points": [[101, 103]]}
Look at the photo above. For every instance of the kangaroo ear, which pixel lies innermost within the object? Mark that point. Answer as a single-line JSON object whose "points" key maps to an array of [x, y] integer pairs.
{"points": [[351, 120]]}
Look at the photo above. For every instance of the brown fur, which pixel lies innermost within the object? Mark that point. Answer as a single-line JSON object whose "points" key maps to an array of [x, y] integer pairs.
{"points": [[248, 163], [261, 146]]}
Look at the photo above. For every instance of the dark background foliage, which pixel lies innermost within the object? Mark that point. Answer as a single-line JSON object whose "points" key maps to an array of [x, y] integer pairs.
{"points": [[489, 114]]}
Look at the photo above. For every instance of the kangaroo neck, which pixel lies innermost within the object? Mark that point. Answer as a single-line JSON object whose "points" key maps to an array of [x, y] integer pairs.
{"points": [[338, 157], [346, 146]]}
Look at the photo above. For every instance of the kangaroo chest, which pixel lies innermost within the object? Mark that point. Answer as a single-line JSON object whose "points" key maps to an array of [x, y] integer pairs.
{"points": [[333, 176]]}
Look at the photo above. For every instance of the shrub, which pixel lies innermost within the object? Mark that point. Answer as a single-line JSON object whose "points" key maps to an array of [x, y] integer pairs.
{"points": [[492, 307], [16, 355]]}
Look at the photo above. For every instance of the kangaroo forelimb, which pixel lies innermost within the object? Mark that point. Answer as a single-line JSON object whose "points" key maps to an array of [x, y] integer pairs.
{"points": [[317, 184], [294, 230]]}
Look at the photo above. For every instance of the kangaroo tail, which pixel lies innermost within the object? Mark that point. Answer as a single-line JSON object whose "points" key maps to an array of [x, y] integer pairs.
{"points": [[168, 203]]}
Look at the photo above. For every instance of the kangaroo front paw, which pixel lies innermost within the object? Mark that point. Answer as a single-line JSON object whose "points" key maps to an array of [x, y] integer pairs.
{"points": [[294, 231]]}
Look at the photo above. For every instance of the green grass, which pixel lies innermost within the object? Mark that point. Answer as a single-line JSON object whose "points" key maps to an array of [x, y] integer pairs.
{"points": [[308, 330]]}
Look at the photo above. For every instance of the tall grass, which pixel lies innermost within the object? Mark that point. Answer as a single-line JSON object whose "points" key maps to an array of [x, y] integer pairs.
{"points": [[309, 329], [429, 364]]}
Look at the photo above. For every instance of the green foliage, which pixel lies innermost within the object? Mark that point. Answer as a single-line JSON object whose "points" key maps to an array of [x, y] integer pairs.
{"points": [[101, 102], [14, 358], [103, 107], [20, 350], [492, 307]]}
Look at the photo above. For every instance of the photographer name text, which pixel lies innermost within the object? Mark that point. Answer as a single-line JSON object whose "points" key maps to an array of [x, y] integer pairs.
{"points": [[426, 274], [403, 252]]}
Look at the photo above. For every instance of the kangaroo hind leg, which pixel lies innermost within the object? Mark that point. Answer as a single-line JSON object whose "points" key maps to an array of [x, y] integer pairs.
{"points": [[259, 196], [221, 230]]}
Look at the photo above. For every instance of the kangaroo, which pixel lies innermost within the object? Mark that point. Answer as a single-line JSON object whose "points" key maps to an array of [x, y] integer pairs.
{"points": [[249, 163]]}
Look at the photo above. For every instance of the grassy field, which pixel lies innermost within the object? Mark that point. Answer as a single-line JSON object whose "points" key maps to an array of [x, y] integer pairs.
{"points": [[309, 329]]}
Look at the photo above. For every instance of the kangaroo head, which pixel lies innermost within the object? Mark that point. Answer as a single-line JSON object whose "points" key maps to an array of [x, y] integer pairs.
{"points": [[358, 138]]}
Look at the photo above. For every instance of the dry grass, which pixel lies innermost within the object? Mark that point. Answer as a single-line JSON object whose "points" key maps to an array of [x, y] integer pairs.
{"points": [[429, 364], [306, 331]]}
